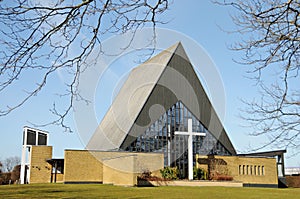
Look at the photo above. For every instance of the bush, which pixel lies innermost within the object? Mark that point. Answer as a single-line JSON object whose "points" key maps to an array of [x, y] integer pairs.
{"points": [[15, 174], [220, 176], [170, 173], [293, 181], [5, 178], [199, 174], [147, 176]]}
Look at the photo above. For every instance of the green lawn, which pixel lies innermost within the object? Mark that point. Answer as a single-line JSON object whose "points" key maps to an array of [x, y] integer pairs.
{"points": [[109, 191]]}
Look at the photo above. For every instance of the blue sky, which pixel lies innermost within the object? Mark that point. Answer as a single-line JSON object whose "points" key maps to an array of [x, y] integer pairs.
{"points": [[198, 20]]}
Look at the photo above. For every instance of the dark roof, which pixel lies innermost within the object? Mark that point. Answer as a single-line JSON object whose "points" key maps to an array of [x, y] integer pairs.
{"points": [[265, 153]]}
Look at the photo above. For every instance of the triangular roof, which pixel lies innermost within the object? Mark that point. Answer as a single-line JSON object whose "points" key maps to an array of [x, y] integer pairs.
{"points": [[150, 90]]}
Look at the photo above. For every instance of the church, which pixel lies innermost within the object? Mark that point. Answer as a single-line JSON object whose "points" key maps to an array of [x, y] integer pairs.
{"points": [[161, 117]]}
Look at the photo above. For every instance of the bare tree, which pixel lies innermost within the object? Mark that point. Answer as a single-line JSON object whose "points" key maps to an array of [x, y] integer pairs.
{"points": [[41, 37], [15, 173], [270, 31], [9, 163]]}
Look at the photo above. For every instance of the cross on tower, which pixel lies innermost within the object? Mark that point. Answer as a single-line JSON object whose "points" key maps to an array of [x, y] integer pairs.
{"points": [[190, 133]]}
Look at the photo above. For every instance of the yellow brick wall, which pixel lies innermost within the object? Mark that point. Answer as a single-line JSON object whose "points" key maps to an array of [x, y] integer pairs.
{"points": [[240, 169], [59, 177], [150, 162], [119, 168], [120, 175], [82, 166], [40, 170], [124, 168]]}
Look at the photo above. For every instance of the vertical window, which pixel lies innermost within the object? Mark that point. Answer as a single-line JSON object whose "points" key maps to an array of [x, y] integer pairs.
{"points": [[258, 170], [251, 170], [243, 169], [247, 171], [255, 170], [42, 139], [262, 170], [240, 169]]}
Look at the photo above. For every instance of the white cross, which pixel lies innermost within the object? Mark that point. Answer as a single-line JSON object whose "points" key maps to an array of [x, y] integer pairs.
{"points": [[190, 133]]}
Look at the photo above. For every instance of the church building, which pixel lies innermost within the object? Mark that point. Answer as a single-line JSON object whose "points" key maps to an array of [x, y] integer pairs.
{"points": [[161, 117]]}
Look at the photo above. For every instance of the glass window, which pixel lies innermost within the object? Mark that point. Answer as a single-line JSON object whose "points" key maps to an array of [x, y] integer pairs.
{"points": [[31, 137], [155, 138], [42, 139]]}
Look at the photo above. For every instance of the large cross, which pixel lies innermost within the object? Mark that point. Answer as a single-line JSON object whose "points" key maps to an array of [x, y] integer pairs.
{"points": [[190, 133]]}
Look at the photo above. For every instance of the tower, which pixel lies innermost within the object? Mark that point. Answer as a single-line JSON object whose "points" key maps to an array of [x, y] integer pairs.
{"points": [[31, 137]]}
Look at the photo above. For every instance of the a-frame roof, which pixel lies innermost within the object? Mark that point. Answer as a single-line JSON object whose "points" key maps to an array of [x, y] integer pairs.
{"points": [[150, 90]]}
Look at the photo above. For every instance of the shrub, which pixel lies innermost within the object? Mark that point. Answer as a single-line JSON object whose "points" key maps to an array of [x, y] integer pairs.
{"points": [[170, 173], [15, 174], [5, 178], [147, 176], [222, 177], [293, 181], [199, 174]]}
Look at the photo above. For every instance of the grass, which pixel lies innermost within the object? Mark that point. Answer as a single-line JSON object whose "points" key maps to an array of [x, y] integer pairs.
{"points": [[108, 191]]}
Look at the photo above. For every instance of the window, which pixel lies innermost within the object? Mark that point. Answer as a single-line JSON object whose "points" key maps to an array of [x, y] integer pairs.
{"points": [[42, 139], [240, 169], [251, 170], [31, 137]]}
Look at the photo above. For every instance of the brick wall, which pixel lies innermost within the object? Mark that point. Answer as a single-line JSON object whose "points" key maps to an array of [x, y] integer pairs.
{"points": [[124, 168], [249, 170], [120, 175], [119, 168], [40, 170], [82, 166]]}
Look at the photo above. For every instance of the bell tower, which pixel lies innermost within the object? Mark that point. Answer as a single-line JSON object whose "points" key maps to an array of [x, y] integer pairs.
{"points": [[31, 137]]}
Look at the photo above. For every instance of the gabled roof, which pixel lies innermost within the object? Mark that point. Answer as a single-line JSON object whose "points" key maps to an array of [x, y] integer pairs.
{"points": [[150, 90]]}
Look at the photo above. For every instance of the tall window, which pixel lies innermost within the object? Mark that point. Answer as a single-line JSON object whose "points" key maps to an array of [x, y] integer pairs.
{"points": [[157, 138]]}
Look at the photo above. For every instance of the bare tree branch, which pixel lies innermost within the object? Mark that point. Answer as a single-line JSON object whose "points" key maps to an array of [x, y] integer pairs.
{"points": [[41, 37], [9, 163], [271, 43]]}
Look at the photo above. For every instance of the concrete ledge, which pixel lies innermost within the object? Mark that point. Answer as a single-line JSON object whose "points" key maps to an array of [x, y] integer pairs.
{"points": [[192, 183]]}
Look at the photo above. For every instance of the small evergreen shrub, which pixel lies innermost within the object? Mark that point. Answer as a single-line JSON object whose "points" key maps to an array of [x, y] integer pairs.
{"points": [[199, 174], [170, 173]]}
